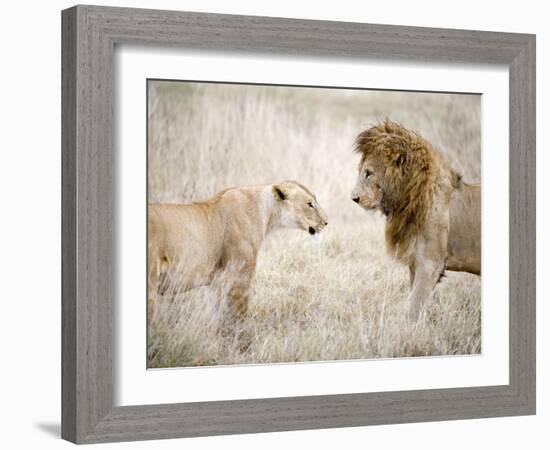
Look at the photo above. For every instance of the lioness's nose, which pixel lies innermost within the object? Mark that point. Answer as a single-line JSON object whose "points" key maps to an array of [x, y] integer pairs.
{"points": [[326, 223], [356, 199]]}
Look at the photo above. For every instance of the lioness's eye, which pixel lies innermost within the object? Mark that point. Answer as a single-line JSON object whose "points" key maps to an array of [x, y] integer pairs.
{"points": [[310, 204], [368, 173]]}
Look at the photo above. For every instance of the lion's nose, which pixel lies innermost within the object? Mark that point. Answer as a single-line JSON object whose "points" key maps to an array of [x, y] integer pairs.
{"points": [[326, 223], [356, 199]]}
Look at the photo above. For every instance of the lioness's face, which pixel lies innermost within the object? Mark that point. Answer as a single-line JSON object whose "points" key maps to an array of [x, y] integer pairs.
{"points": [[367, 192], [299, 208]]}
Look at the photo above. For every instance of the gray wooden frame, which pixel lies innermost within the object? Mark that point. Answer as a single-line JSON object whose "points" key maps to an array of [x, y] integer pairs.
{"points": [[89, 36]]}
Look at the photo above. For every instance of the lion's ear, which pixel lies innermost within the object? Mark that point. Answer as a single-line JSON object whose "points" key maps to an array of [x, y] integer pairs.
{"points": [[279, 192], [398, 150], [456, 179], [397, 157], [400, 159]]}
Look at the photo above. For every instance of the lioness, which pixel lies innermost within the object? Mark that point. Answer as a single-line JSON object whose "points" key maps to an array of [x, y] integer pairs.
{"points": [[433, 218], [225, 231]]}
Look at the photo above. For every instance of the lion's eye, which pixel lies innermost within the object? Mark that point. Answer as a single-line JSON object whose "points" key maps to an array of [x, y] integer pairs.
{"points": [[310, 204], [368, 174]]}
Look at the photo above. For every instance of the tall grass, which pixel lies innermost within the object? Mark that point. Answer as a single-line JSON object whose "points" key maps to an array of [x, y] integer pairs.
{"points": [[341, 299]]}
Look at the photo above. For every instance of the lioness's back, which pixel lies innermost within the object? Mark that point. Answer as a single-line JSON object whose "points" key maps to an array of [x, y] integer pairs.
{"points": [[186, 237], [193, 220]]}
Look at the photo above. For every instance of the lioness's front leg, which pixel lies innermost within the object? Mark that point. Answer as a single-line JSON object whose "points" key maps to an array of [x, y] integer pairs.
{"points": [[239, 264], [240, 292], [153, 287]]}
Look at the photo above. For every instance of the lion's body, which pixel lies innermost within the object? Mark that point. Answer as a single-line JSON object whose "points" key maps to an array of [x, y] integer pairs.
{"points": [[192, 242], [433, 218], [464, 246]]}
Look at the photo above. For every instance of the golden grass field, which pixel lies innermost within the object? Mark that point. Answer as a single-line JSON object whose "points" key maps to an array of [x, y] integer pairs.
{"points": [[343, 298]]}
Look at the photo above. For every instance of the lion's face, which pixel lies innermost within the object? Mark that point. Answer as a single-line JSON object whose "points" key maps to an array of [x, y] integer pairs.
{"points": [[299, 208], [367, 192]]}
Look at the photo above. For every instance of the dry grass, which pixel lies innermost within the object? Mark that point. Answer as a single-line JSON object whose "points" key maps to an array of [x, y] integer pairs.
{"points": [[342, 299]]}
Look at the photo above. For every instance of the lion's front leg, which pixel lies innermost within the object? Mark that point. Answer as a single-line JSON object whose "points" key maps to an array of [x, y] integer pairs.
{"points": [[411, 275], [426, 268], [423, 284], [425, 271]]}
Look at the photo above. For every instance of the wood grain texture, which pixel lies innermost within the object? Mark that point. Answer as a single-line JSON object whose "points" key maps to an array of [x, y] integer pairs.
{"points": [[89, 36], [522, 225], [68, 226]]}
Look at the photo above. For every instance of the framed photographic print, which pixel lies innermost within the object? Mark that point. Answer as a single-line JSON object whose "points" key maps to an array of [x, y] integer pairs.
{"points": [[279, 224], [274, 158]]}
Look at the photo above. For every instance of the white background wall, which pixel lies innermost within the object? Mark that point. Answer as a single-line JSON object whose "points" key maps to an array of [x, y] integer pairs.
{"points": [[30, 222]]}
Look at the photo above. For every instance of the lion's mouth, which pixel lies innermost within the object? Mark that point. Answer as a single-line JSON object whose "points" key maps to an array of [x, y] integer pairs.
{"points": [[370, 205], [367, 206]]}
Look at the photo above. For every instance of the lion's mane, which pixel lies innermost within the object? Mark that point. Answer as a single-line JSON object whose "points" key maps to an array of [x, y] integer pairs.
{"points": [[414, 172]]}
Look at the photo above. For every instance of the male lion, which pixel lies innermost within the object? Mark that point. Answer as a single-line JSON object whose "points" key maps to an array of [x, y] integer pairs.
{"points": [[223, 232], [433, 218]]}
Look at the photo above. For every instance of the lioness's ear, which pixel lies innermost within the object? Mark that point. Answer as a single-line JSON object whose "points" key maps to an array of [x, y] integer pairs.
{"points": [[279, 193]]}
